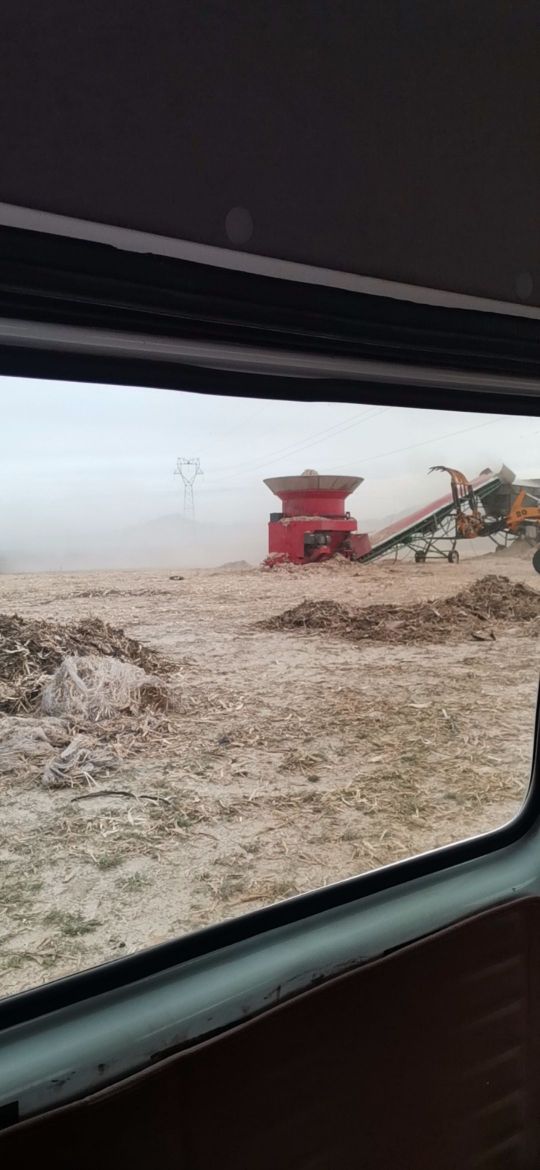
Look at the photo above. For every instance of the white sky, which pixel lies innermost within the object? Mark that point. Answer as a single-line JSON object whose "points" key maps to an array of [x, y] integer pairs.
{"points": [[83, 462]]}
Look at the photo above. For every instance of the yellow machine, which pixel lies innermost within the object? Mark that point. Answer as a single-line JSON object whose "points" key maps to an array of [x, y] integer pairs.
{"points": [[520, 514], [471, 519]]}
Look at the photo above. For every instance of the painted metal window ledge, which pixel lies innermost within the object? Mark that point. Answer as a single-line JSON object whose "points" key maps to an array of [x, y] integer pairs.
{"points": [[254, 360], [72, 1051]]}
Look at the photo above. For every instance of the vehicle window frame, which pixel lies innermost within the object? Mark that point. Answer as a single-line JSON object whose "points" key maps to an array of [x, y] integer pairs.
{"points": [[212, 938], [69, 310]]}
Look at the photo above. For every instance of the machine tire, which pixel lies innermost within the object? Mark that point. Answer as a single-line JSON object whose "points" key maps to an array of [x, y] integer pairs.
{"points": [[453, 557], [536, 560], [419, 558]]}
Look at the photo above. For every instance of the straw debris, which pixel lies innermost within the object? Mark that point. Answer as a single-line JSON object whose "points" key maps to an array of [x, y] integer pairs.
{"points": [[492, 599], [31, 650], [76, 700]]}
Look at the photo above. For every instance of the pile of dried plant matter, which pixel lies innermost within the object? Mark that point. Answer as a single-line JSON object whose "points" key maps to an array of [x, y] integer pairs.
{"points": [[335, 564], [32, 650], [499, 598], [470, 613], [93, 687], [314, 615]]}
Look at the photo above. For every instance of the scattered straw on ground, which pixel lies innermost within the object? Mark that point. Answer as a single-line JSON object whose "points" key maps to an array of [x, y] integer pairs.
{"points": [[277, 769], [85, 594], [335, 564], [471, 613]]}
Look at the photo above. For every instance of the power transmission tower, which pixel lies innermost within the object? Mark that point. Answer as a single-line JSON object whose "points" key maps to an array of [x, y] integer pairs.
{"points": [[188, 470]]}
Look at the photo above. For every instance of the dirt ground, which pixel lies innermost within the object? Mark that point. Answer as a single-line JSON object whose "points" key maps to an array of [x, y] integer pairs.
{"points": [[291, 759]]}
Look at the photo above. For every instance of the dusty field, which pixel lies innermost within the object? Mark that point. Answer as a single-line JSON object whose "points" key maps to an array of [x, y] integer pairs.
{"points": [[289, 760]]}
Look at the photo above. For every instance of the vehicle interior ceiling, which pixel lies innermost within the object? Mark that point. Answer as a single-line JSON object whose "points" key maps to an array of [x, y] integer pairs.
{"points": [[392, 1020]]}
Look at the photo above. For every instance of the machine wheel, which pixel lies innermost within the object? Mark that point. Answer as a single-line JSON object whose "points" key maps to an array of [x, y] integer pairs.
{"points": [[419, 558], [536, 560], [453, 557]]}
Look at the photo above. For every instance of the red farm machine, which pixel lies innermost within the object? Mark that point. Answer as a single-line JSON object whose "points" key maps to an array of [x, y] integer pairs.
{"points": [[314, 525]]}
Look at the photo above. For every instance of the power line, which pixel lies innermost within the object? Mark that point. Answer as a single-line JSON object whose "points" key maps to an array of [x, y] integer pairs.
{"points": [[316, 439], [370, 413], [423, 443]]}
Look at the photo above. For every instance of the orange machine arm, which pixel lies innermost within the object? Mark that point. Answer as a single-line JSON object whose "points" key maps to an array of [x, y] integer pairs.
{"points": [[469, 524], [459, 480]]}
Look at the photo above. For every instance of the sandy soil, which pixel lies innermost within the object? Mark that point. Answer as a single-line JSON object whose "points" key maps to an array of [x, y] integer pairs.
{"points": [[293, 761]]}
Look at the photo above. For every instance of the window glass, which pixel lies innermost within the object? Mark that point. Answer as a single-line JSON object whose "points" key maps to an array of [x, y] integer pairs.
{"points": [[217, 692]]}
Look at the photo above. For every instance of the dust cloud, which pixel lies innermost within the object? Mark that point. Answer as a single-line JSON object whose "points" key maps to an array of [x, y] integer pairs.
{"points": [[164, 542]]}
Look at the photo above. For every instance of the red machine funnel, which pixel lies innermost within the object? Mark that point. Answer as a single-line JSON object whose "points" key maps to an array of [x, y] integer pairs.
{"points": [[312, 494]]}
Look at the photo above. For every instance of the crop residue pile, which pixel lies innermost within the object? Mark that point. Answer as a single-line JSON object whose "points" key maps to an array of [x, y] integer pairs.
{"points": [[471, 613]]}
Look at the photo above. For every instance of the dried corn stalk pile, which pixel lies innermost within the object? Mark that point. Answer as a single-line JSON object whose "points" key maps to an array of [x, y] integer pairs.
{"points": [[86, 689], [31, 650], [474, 612]]}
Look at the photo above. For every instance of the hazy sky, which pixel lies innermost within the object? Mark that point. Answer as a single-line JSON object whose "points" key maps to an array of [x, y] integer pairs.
{"points": [[83, 462]]}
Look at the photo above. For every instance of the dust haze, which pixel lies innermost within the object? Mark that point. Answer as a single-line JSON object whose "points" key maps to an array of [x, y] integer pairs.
{"points": [[88, 480]]}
